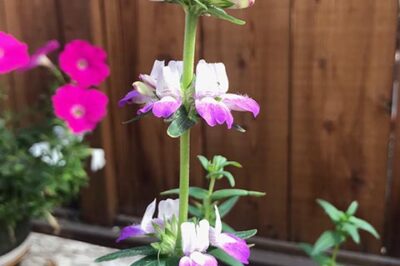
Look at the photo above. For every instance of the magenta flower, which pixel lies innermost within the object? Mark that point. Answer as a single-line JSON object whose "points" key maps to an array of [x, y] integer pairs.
{"points": [[84, 63], [39, 58], [212, 101], [13, 53], [81, 108], [159, 91]]}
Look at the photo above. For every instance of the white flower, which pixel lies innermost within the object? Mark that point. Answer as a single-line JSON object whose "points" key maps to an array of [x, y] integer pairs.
{"points": [[98, 160]]}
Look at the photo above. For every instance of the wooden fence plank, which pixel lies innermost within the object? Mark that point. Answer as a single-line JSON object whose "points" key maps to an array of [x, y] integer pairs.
{"points": [[342, 61], [257, 60]]}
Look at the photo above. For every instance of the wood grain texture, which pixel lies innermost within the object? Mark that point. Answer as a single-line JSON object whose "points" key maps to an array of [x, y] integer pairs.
{"points": [[341, 80], [257, 58]]}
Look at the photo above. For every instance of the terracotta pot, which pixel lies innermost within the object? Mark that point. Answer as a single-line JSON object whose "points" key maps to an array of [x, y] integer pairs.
{"points": [[12, 249]]}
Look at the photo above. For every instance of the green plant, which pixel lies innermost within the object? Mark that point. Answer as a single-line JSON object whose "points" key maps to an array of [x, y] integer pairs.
{"points": [[346, 225]]}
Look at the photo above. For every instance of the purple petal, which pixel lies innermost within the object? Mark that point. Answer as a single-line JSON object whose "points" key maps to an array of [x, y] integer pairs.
{"points": [[214, 112], [185, 261], [166, 107], [241, 103], [129, 98], [234, 246], [145, 108], [200, 259], [130, 231]]}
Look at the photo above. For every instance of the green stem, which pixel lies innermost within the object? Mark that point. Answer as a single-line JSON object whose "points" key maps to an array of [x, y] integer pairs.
{"points": [[334, 254], [207, 201], [187, 77]]}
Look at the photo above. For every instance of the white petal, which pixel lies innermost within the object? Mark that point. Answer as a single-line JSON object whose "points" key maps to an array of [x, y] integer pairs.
{"points": [[189, 237], [98, 160], [203, 259], [168, 209], [203, 232], [157, 69], [218, 223], [146, 223], [169, 83], [211, 79], [176, 65]]}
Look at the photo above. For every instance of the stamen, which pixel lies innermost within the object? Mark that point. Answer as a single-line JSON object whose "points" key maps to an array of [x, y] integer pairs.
{"points": [[82, 64], [78, 111]]}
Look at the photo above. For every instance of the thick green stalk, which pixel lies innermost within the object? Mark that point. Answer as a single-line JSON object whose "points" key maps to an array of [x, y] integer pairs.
{"points": [[187, 77], [334, 254]]}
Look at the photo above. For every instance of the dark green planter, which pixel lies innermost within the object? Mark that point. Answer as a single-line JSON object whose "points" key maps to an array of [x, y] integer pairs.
{"points": [[8, 244]]}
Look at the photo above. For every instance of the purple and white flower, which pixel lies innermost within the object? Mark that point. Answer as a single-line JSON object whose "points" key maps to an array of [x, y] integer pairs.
{"points": [[40, 58], [213, 103], [167, 210], [195, 242], [160, 91], [231, 244]]}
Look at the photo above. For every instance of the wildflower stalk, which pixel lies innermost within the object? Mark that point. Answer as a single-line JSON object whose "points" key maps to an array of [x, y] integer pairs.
{"points": [[187, 78], [334, 255]]}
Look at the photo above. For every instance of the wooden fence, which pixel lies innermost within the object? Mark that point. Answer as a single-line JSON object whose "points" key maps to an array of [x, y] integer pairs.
{"points": [[321, 70]]}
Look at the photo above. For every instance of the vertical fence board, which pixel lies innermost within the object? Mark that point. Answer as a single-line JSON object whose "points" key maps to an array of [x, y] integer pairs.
{"points": [[257, 57], [342, 61]]}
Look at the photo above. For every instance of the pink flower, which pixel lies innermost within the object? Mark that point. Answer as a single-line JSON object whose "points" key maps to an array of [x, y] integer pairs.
{"points": [[13, 53], [237, 4], [81, 108], [84, 63], [39, 58]]}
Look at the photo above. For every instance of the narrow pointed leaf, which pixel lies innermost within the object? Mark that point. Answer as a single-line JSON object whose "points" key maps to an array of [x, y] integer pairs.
{"points": [[144, 250], [246, 234], [227, 193], [364, 225], [227, 206], [149, 261], [180, 124], [227, 228], [195, 211], [204, 161], [326, 241], [333, 213], [195, 192], [221, 14], [352, 231], [225, 258], [352, 208]]}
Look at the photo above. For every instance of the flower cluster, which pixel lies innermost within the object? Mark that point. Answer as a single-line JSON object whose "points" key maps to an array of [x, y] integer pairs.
{"points": [[77, 102], [160, 92], [197, 237]]}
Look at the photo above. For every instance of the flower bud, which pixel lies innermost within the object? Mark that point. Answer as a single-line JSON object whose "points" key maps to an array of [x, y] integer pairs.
{"points": [[242, 3]]}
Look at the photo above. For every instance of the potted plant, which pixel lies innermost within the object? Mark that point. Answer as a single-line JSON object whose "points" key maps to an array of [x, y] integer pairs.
{"points": [[43, 163]]}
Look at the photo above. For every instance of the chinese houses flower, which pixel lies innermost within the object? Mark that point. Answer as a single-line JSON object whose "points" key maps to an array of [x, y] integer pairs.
{"points": [[167, 210], [80, 108], [13, 53], [212, 101], [84, 63], [159, 91]]}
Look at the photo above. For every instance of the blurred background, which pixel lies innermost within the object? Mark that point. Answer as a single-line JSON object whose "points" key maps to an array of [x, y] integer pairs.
{"points": [[322, 71]]}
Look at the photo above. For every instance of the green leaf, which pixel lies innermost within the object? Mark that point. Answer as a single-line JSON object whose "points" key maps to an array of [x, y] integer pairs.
{"points": [[180, 124], [195, 192], [233, 163], [227, 206], [227, 193], [364, 225], [201, 5], [326, 241], [222, 3], [334, 214], [352, 208], [227, 228], [320, 259], [225, 258], [246, 234], [221, 14], [149, 261], [204, 161], [195, 211], [144, 250], [352, 231]]}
